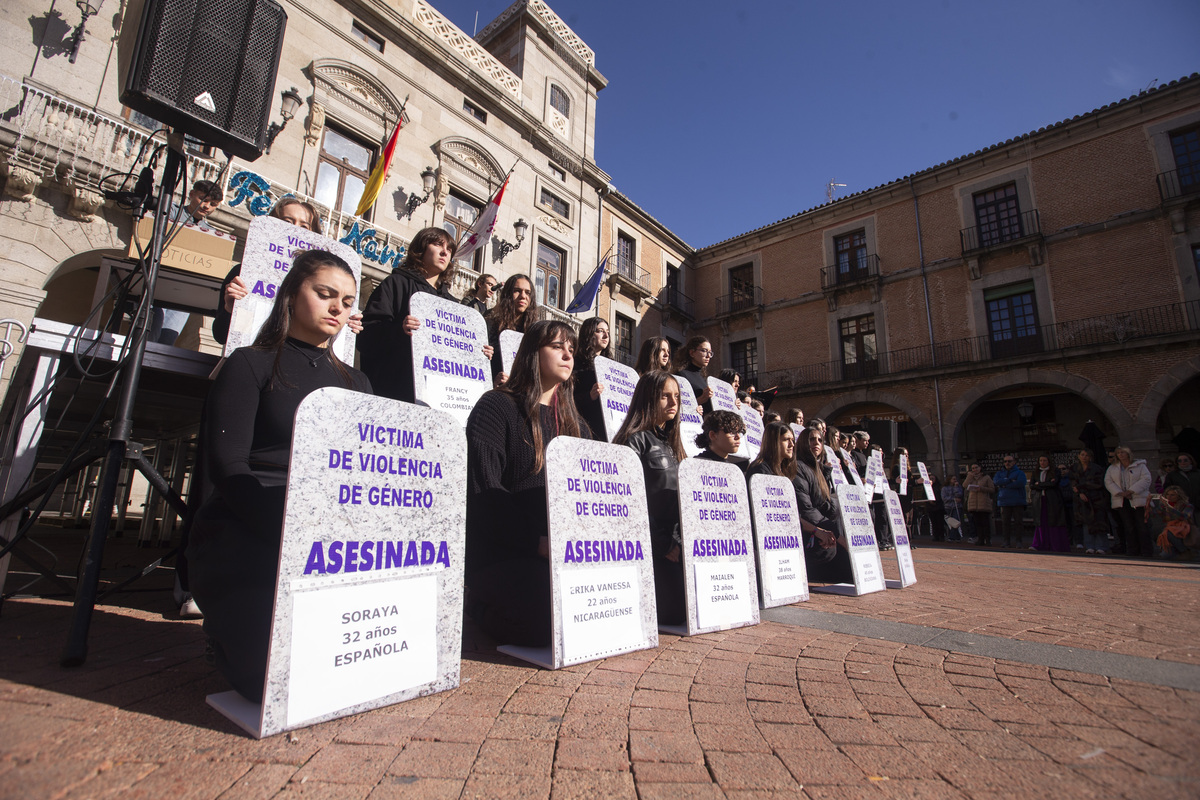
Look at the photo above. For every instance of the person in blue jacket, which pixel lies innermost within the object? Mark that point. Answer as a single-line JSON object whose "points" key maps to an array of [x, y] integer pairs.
{"points": [[1010, 497]]}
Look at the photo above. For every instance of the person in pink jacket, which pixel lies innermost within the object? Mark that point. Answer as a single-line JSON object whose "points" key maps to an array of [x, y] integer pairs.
{"points": [[1128, 482]]}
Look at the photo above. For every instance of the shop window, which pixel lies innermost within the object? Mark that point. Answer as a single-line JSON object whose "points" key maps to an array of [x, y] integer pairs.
{"points": [[547, 279], [1012, 320], [343, 167], [860, 356]]}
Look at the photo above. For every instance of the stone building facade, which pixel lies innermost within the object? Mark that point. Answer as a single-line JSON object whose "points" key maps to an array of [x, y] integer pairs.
{"points": [[993, 303]]}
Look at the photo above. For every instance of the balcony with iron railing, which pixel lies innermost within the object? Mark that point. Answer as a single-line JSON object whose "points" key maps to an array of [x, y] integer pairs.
{"points": [[853, 272], [1007, 232], [629, 277], [1176, 184], [48, 140], [740, 301], [674, 300], [1061, 338]]}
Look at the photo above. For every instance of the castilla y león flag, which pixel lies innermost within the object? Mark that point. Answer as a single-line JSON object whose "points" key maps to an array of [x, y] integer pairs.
{"points": [[481, 231]]}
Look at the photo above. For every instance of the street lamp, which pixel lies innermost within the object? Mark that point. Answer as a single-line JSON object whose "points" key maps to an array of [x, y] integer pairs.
{"points": [[428, 181], [1025, 409], [520, 226], [289, 104]]}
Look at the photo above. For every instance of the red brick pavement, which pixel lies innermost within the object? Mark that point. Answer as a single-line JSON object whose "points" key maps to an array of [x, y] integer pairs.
{"points": [[769, 711]]}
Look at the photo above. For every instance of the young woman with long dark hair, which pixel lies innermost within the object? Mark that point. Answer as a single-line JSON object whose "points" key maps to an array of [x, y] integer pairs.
{"points": [[245, 445], [516, 310], [655, 354], [652, 430], [593, 341], [777, 454], [507, 574], [692, 365], [386, 341], [825, 555]]}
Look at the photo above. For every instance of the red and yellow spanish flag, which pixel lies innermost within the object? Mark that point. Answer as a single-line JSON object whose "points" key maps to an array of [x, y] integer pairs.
{"points": [[375, 182]]}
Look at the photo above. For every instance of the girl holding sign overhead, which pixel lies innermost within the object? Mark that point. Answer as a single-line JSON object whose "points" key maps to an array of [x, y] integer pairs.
{"points": [[245, 439], [516, 310], [507, 574], [385, 345], [593, 341], [652, 431]]}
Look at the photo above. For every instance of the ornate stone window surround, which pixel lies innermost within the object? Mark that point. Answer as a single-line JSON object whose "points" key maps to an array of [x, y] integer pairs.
{"points": [[548, 216], [557, 123], [977, 316], [865, 224], [358, 101]]}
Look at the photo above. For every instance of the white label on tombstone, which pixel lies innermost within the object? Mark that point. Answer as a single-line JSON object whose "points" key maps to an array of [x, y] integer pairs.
{"points": [[859, 531], [927, 486], [714, 511], [360, 642], [598, 606], [271, 244], [723, 396], [908, 573], [618, 381], [754, 433], [855, 478], [722, 591], [875, 477], [450, 371], [903, 473], [839, 477], [375, 519], [781, 569], [601, 566], [510, 343], [691, 423]]}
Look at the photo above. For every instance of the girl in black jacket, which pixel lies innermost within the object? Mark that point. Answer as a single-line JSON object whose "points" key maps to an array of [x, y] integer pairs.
{"points": [[825, 556], [516, 310], [593, 341], [651, 430]]}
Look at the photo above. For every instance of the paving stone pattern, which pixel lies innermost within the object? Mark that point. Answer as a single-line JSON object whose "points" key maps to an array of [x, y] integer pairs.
{"points": [[774, 710]]}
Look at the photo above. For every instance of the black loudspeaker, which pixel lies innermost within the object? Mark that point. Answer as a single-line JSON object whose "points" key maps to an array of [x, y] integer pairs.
{"points": [[206, 68], [883, 433]]}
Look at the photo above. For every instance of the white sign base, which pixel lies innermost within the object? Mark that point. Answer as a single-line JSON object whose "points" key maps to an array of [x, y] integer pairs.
{"points": [[238, 710]]}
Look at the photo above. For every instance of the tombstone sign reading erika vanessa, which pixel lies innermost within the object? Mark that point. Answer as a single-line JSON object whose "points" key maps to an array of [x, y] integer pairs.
{"points": [[271, 244], [450, 371], [782, 574], [369, 598], [720, 581], [618, 381], [601, 570]]}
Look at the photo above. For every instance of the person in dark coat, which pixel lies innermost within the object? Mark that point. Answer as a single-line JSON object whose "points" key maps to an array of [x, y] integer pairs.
{"points": [[1091, 502], [826, 555], [593, 341], [692, 365], [507, 566], [516, 310], [652, 430], [1051, 532], [246, 439], [478, 299]]}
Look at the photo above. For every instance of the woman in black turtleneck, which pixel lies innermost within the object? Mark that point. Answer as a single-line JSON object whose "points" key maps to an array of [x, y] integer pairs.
{"points": [[651, 429], [245, 439], [593, 341], [693, 367]]}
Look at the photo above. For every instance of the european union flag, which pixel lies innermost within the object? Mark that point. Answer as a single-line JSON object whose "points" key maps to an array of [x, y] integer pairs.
{"points": [[587, 293]]}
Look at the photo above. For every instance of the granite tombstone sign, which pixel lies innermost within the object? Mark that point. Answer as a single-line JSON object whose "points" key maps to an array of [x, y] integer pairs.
{"points": [[854, 477], [926, 484], [836, 472], [904, 559], [752, 441], [718, 561], [601, 569], [368, 602], [782, 575], [271, 244], [450, 371], [510, 343], [723, 396], [691, 419], [859, 531], [618, 381]]}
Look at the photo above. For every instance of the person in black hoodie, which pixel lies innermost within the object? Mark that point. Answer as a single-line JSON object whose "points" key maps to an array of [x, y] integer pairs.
{"points": [[245, 446], [507, 571], [593, 341], [652, 431], [385, 344], [721, 437]]}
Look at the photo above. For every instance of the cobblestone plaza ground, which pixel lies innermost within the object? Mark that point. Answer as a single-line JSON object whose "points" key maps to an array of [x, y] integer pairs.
{"points": [[1000, 674]]}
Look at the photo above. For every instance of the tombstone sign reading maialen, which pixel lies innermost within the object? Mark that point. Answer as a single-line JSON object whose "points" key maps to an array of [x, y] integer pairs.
{"points": [[368, 602], [271, 244], [450, 371], [691, 423], [782, 574], [618, 381], [752, 441], [723, 396], [859, 530], [718, 561], [510, 343], [601, 568], [904, 560]]}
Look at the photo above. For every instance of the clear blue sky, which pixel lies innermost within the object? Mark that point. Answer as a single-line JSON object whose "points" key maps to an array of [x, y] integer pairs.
{"points": [[721, 117]]}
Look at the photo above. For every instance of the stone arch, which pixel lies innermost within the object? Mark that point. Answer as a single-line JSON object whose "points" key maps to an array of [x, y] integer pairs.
{"points": [[1145, 424], [473, 157], [357, 89], [928, 429], [955, 419]]}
